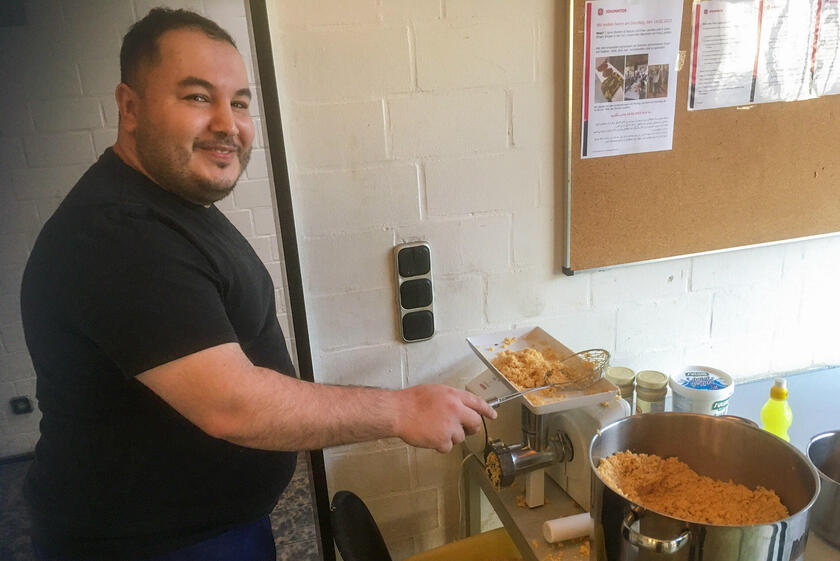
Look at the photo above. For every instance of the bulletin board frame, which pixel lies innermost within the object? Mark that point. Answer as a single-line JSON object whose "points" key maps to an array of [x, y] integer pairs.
{"points": [[736, 177]]}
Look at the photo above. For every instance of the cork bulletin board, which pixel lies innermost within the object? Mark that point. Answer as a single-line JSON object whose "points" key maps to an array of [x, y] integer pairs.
{"points": [[735, 177]]}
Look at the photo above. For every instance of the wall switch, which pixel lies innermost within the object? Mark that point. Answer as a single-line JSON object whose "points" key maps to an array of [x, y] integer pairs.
{"points": [[415, 291]]}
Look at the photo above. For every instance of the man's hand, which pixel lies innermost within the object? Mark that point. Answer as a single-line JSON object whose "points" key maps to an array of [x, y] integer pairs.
{"points": [[435, 416]]}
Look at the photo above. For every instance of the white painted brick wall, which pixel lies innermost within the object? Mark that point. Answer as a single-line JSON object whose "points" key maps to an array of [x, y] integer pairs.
{"points": [[57, 115], [465, 159]]}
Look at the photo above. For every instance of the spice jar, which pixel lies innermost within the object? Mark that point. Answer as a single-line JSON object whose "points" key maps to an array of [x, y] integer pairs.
{"points": [[625, 379], [651, 388]]}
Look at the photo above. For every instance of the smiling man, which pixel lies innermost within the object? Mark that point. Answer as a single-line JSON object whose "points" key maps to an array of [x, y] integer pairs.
{"points": [[170, 408]]}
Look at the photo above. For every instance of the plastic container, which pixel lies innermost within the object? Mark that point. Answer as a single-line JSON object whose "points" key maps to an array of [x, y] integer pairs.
{"points": [[701, 389], [776, 416], [651, 389], [625, 379]]}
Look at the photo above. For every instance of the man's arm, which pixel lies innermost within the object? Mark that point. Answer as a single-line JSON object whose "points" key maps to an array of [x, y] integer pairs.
{"points": [[224, 394]]}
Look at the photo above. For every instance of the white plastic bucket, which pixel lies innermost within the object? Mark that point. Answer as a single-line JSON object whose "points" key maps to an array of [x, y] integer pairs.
{"points": [[701, 389]]}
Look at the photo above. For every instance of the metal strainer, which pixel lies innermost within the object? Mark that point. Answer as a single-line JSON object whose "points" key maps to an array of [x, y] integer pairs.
{"points": [[585, 368]]}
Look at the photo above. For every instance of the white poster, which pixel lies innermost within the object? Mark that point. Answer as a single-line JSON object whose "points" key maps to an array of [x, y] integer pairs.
{"points": [[825, 66], [629, 76], [785, 48], [724, 53]]}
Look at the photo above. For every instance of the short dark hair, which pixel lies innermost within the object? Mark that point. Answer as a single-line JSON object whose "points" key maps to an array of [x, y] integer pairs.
{"points": [[140, 44]]}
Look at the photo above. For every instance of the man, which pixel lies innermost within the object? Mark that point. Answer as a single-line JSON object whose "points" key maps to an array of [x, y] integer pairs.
{"points": [[170, 410]]}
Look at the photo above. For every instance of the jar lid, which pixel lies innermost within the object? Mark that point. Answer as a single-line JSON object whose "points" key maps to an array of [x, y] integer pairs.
{"points": [[620, 376], [651, 379]]}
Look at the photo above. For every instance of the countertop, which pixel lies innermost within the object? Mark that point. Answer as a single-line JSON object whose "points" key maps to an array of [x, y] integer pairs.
{"points": [[813, 397]]}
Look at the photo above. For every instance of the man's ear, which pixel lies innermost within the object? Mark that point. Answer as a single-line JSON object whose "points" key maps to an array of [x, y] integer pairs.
{"points": [[127, 101]]}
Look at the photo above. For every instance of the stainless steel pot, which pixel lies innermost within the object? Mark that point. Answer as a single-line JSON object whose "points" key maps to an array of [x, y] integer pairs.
{"points": [[720, 448], [824, 452]]}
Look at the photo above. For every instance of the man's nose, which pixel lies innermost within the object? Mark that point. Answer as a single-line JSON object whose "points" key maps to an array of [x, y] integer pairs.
{"points": [[223, 120]]}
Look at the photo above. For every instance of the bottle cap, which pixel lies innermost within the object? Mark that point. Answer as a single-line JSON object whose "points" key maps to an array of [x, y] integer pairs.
{"points": [[620, 376], [779, 389], [651, 379]]}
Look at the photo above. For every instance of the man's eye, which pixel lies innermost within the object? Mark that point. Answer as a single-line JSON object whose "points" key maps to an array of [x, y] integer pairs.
{"points": [[196, 97], [240, 105]]}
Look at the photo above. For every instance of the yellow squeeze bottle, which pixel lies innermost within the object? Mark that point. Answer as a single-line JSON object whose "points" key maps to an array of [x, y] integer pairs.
{"points": [[776, 415]]}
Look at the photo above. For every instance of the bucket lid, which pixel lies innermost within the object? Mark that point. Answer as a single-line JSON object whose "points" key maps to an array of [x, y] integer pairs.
{"points": [[651, 379], [620, 375], [701, 380]]}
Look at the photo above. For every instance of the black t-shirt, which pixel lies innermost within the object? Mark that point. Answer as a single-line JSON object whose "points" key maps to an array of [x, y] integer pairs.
{"points": [[126, 276]]}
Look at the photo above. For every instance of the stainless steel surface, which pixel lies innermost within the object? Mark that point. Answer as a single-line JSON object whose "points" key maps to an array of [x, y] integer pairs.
{"points": [[718, 448], [824, 452], [651, 544]]}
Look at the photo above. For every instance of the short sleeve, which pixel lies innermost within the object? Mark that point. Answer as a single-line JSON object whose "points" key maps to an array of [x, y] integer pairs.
{"points": [[144, 292]]}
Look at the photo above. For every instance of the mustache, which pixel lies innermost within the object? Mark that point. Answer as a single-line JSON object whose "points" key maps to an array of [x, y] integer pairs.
{"points": [[229, 143]]}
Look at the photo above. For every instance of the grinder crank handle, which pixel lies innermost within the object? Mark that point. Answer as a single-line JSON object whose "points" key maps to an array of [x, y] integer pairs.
{"points": [[496, 401]]}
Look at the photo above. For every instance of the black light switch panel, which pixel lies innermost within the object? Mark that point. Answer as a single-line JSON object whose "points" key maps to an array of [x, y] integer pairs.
{"points": [[415, 291]]}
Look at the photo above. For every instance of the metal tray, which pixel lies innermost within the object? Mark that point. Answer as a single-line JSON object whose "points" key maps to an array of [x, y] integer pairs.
{"points": [[486, 347]]}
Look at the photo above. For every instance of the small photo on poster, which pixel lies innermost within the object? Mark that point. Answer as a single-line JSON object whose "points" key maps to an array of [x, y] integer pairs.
{"points": [[657, 80], [609, 79], [635, 77]]}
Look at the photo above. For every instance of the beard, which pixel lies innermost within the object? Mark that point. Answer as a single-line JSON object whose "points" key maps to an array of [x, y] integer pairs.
{"points": [[168, 165]]}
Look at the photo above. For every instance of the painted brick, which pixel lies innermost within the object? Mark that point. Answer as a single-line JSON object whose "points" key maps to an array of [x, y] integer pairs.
{"points": [[100, 77], [15, 119], [379, 366], [443, 359], [54, 78], [248, 194], [664, 323], [9, 309], [748, 311], [223, 10], [14, 248], [580, 330], [403, 11], [66, 114], [346, 134], [316, 64], [500, 182], [18, 444], [17, 366], [476, 244], [638, 283], [257, 166], [535, 237], [103, 139], [10, 277], [529, 106], [226, 204], [59, 149], [262, 247], [737, 268], [488, 9], [350, 262], [242, 220], [11, 153], [18, 217], [740, 358], [110, 110], [324, 12], [459, 303], [88, 40], [13, 339], [87, 14], [448, 124], [259, 134], [524, 295], [473, 55], [44, 183], [275, 270], [353, 319], [370, 475], [356, 200], [436, 469], [405, 514], [46, 208], [667, 361], [264, 221]]}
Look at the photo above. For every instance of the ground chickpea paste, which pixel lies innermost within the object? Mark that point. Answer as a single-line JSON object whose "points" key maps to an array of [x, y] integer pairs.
{"points": [[670, 487]]}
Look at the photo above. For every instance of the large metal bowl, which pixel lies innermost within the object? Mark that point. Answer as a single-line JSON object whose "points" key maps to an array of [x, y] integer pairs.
{"points": [[717, 447], [824, 453]]}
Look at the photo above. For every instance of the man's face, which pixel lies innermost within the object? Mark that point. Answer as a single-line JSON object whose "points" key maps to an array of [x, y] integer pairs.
{"points": [[193, 130]]}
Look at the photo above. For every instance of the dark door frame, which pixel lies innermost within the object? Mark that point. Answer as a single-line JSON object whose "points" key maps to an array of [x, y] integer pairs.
{"points": [[273, 125]]}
